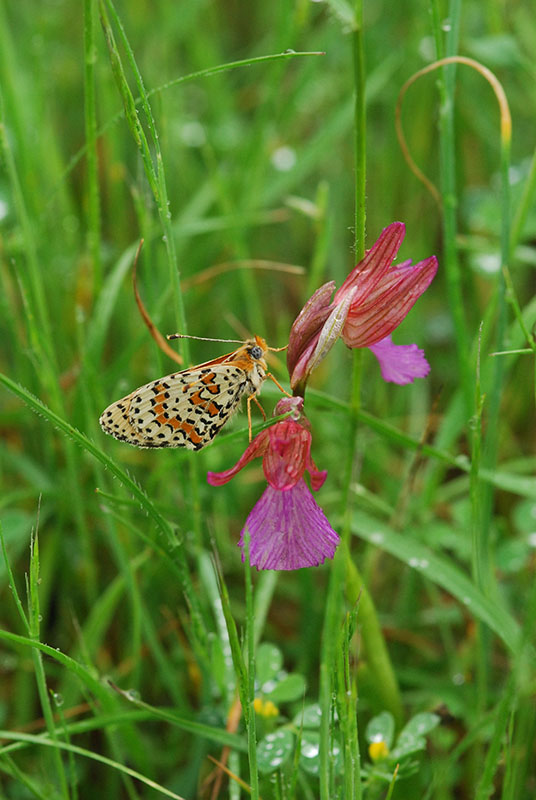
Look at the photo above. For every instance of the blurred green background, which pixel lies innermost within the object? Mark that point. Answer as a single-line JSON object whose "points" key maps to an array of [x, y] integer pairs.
{"points": [[259, 165]]}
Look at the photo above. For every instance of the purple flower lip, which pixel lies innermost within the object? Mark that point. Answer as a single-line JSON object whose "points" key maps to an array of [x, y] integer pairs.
{"points": [[373, 300], [400, 363], [287, 529]]}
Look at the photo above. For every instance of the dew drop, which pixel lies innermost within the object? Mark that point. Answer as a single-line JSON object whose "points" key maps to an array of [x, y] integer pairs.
{"points": [[283, 158], [58, 699], [310, 750]]}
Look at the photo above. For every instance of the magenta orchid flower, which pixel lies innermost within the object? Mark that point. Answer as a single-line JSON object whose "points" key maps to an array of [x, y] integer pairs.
{"points": [[373, 300], [287, 529]]}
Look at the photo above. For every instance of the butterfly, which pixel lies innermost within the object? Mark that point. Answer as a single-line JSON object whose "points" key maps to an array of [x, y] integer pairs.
{"points": [[188, 408]]}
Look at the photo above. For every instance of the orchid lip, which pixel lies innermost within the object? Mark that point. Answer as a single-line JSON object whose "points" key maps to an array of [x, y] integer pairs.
{"points": [[288, 530]]}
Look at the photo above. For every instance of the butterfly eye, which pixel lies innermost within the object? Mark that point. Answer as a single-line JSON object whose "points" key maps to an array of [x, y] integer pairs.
{"points": [[256, 352]]}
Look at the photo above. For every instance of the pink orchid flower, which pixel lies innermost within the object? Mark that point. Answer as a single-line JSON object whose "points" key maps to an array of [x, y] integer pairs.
{"points": [[287, 529], [373, 300]]}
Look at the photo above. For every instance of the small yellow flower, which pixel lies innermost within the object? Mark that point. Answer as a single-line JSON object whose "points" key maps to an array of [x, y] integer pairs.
{"points": [[378, 750], [265, 708]]}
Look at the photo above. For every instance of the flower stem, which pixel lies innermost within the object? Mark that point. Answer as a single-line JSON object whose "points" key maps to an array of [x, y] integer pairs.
{"points": [[335, 598], [360, 140], [447, 153], [250, 639]]}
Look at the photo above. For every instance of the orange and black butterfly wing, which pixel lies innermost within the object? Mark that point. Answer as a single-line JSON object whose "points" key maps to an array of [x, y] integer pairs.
{"points": [[185, 409]]}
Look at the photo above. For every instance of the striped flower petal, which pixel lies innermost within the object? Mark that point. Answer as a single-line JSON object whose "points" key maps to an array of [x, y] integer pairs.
{"points": [[288, 530]]}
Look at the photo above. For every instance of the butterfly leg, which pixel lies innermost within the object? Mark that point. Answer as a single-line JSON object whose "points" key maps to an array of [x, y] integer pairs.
{"points": [[253, 398], [269, 375]]}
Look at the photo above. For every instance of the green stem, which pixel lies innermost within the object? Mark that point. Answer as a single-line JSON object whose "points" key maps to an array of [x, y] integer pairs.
{"points": [[251, 717], [157, 180], [360, 131], [479, 556], [94, 216], [494, 392], [380, 675], [525, 206], [447, 155], [41, 337], [155, 176], [34, 618], [335, 597], [327, 662]]}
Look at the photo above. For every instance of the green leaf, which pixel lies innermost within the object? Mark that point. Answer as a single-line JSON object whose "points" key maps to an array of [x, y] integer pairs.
{"points": [[310, 753], [411, 738], [269, 663], [443, 572], [274, 750], [42, 410], [381, 728], [525, 516], [309, 717], [407, 744], [290, 688], [421, 724]]}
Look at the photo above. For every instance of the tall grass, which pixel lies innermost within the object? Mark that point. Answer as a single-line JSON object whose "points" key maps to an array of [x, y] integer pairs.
{"points": [[140, 657]]}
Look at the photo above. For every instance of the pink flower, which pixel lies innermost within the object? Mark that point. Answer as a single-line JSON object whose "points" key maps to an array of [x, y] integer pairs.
{"points": [[373, 300], [400, 363], [287, 529]]}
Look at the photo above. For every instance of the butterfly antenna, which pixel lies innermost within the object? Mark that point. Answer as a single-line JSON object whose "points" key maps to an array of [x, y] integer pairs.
{"points": [[201, 338], [277, 349]]}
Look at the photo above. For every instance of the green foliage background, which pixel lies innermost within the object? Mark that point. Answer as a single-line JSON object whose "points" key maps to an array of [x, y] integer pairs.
{"points": [[260, 174]]}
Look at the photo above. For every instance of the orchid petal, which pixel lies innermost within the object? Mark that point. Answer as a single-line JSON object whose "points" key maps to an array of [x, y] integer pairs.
{"points": [[255, 448], [400, 363], [295, 406], [287, 455], [301, 368], [308, 323], [331, 330], [388, 304], [288, 530], [373, 267], [318, 476]]}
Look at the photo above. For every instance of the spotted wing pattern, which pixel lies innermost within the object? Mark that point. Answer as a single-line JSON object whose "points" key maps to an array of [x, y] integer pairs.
{"points": [[186, 409]]}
